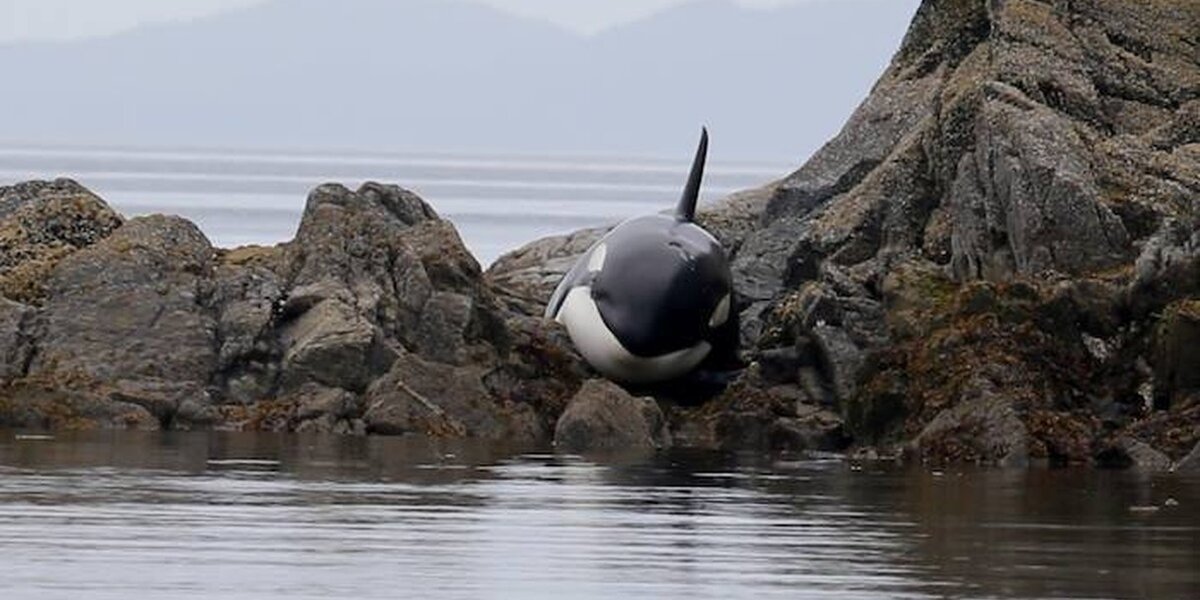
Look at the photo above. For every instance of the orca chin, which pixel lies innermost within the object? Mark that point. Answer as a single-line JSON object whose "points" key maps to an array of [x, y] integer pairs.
{"points": [[605, 352]]}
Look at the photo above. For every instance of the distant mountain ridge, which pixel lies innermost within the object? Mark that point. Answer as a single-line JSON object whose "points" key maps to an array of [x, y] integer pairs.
{"points": [[456, 76]]}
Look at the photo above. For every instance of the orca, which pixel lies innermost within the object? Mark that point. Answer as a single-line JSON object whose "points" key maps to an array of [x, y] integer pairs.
{"points": [[652, 301]]}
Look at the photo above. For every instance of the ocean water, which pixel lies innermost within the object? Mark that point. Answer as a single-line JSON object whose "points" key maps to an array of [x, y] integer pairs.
{"points": [[233, 516], [240, 197]]}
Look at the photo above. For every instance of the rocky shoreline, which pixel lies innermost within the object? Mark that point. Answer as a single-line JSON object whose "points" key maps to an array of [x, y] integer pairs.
{"points": [[997, 261]]}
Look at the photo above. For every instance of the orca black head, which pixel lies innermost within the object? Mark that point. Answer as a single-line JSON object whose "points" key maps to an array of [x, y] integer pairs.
{"points": [[663, 285], [647, 301]]}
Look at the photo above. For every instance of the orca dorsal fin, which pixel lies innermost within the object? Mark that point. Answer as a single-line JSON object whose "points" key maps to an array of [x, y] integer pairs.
{"points": [[686, 211]]}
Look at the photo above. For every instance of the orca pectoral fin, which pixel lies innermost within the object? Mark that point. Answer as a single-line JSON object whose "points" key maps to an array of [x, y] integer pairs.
{"points": [[686, 211]]}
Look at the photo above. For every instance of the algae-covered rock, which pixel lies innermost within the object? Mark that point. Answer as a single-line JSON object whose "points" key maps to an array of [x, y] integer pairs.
{"points": [[15, 344], [41, 223], [1177, 355], [1190, 463], [150, 326], [421, 397]]}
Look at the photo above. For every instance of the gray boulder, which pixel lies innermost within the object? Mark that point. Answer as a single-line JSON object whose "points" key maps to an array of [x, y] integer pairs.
{"points": [[428, 398], [375, 272], [1190, 463], [15, 345], [129, 310], [247, 294], [604, 417], [1144, 457], [985, 426], [526, 277]]}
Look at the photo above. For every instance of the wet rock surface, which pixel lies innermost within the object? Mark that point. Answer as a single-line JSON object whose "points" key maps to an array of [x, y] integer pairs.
{"points": [[997, 260], [375, 319], [603, 416]]}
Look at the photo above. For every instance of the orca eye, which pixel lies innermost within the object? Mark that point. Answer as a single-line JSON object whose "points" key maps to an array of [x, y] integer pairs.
{"points": [[596, 261], [720, 314]]}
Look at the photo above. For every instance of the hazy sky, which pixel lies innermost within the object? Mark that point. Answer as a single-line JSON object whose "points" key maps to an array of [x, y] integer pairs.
{"points": [[66, 19]]}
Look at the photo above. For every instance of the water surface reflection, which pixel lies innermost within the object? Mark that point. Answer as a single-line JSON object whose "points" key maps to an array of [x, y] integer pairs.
{"points": [[107, 515]]}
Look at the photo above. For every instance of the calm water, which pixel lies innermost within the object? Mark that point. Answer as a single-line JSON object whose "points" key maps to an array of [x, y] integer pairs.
{"points": [[498, 203], [253, 516]]}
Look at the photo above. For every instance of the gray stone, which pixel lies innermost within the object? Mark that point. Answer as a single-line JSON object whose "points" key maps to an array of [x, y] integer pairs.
{"points": [[984, 425], [320, 409], [15, 346], [1177, 352], [604, 417], [380, 259], [248, 295], [130, 307], [1143, 457], [428, 398], [1189, 464], [332, 344]]}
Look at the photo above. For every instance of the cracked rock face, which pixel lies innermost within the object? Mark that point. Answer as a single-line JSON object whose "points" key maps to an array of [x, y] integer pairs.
{"points": [[149, 326], [996, 260], [1048, 148]]}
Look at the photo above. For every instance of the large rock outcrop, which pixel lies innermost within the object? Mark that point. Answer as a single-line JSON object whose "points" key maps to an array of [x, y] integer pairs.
{"points": [[995, 259], [374, 315]]}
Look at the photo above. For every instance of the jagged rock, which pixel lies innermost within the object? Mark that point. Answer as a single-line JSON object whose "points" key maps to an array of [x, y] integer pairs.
{"points": [[602, 416], [375, 271], [41, 223], [130, 309], [1167, 268], [421, 397], [248, 296], [377, 297], [990, 132], [985, 426], [332, 344], [15, 347], [543, 370], [1177, 359], [1129, 453], [320, 409], [1189, 463], [36, 403], [754, 415]]}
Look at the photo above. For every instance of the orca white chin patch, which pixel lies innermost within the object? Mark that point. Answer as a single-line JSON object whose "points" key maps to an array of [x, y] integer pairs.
{"points": [[605, 352]]}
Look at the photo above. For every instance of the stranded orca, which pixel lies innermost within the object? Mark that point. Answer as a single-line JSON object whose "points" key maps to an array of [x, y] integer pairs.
{"points": [[651, 301]]}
